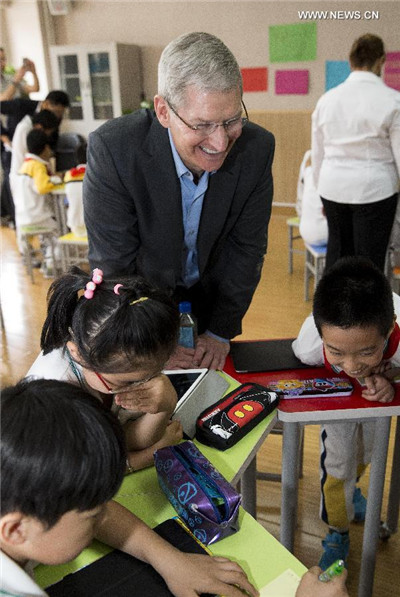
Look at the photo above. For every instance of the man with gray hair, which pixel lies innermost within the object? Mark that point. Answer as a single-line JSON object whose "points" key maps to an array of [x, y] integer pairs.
{"points": [[182, 195]]}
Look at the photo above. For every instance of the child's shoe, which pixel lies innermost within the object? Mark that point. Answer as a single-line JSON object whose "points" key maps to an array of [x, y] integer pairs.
{"points": [[360, 505], [336, 547]]}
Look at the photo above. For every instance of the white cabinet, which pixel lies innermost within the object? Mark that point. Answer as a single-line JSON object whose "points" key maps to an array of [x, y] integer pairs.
{"points": [[102, 80]]}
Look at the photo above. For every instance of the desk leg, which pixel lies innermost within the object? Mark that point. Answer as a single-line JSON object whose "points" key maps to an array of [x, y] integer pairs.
{"points": [[290, 479], [394, 493], [374, 504], [248, 488]]}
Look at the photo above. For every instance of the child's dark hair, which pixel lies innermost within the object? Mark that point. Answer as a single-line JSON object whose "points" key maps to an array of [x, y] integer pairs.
{"points": [[57, 97], [61, 450], [36, 141], [354, 293], [47, 119], [113, 332]]}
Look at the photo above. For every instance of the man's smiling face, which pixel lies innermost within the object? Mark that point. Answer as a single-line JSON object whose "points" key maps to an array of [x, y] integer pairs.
{"points": [[201, 152]]}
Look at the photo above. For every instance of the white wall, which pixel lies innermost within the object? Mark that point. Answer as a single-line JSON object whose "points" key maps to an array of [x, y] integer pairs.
{"points": [[242, 24], [22, 36]]}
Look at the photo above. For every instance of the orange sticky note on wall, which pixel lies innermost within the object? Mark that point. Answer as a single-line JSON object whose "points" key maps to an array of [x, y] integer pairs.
{"points": [[255, 79]]}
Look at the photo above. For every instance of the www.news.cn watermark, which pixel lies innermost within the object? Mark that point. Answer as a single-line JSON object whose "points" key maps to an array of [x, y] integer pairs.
{"points": [[338, 15]]}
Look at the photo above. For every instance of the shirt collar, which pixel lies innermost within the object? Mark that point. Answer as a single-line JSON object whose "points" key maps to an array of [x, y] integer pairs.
{"points": [[364, 75], [33, 156]]}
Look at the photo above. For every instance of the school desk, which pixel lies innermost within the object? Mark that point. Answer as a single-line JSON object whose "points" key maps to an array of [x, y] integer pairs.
{"points": [[261, 556], [296, 412]]}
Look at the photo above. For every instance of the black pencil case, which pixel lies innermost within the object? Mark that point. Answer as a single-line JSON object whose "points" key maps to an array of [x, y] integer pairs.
{"points": [[228, 420]]}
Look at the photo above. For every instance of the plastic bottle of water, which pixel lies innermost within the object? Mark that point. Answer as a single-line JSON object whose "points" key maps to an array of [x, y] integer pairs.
{"points": [[187, 330]]}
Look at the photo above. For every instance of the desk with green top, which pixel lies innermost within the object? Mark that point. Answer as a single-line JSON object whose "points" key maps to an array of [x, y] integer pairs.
{"points": [[257, 551]]}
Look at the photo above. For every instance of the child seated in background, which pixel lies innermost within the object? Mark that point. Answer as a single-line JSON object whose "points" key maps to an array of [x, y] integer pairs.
{"points": [[352, 331], [62, 460], [33, 205], [73, 180], [113, 341]]}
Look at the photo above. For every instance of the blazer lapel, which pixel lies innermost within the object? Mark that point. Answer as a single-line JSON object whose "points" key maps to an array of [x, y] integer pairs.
{"points": [[164, 192], [216, 207]]}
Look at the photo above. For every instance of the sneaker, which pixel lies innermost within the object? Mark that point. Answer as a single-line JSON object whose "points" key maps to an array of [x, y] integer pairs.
{"points": [[336, 547], [360, 505]]}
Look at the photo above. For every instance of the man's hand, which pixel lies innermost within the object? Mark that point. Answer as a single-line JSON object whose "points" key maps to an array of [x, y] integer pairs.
{"points": [[181, 358], [310, 586], [210, 353], [154, 396], [378, 389]]}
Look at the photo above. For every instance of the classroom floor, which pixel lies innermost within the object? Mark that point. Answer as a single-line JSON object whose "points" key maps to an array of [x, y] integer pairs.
{"points": [[277, 311]]}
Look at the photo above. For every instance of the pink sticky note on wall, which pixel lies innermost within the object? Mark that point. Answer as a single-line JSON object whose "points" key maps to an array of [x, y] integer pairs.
{"points": [[391, 75], [255, 79], [291, 82]]}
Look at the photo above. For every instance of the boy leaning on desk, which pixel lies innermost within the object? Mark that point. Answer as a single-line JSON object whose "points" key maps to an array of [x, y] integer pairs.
{"points": [[57, 485], [352, 331]]}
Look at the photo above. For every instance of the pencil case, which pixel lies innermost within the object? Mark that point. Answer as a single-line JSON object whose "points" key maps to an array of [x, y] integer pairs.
{"points": [[231, 418], [324, 387], [202, 497]]}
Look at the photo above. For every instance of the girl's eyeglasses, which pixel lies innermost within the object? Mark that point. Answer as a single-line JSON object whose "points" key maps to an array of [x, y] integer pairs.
{"points": [[124, 389]]}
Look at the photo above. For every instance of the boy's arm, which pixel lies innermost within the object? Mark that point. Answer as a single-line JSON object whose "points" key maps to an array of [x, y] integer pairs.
{"points": [[186, 575], [308, 345], [42, 179]]}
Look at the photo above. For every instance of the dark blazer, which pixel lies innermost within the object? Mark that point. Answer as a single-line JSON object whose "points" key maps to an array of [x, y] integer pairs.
{"points": [[133, 213]]}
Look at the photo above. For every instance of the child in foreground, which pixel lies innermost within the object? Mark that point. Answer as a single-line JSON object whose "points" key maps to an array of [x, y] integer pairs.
{"points": [[112, 337], [352, 331], [62, 460]]}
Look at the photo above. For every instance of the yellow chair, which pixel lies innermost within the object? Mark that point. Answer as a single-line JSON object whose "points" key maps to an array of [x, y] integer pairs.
{"points": [[27, 234], [74, 251]]}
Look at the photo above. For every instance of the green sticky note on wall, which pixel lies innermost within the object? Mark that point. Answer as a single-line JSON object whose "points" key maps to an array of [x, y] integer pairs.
{"points": [[293, 43]]}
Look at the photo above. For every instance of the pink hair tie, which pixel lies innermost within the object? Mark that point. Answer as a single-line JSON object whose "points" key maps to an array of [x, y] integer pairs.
{"points": [[97, 278], [117, 287]]}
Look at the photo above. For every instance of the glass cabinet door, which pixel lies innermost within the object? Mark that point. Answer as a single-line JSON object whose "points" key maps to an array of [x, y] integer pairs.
{"points": [[100, 80], [69, 77]]}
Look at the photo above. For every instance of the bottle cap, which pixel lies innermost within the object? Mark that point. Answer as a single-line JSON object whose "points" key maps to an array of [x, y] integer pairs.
{"points": [[185, 307]]}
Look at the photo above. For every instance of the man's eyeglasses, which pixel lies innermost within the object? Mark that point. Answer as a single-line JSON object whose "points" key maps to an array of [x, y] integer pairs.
{"points": [[232, 126], [124, 389]]}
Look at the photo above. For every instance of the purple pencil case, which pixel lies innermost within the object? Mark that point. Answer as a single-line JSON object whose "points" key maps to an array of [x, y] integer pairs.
{"points": [[202, 497]]}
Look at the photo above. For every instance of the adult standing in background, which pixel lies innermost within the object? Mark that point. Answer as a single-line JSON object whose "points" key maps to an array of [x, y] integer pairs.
{"points": [[13, 85], [182, 195], [356, 156], [12, 89]]}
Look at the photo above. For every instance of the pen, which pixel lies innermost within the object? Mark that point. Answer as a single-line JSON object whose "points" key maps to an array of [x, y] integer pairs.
{"points": [[334, 569]]}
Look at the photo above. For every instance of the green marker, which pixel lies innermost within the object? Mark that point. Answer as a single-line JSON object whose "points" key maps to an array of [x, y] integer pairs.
{"points": [[334, 569]]}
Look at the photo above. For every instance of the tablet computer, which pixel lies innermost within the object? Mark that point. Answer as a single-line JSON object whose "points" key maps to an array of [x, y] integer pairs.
{"points": [[197, 389], [185, 381], [118, 575]]}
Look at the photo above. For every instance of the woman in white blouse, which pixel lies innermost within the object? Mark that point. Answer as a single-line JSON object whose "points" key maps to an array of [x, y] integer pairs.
{"points": [[356, 156]]}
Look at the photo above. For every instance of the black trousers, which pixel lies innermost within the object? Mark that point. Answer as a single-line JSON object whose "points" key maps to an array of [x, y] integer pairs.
{"points": [[362, 230]]}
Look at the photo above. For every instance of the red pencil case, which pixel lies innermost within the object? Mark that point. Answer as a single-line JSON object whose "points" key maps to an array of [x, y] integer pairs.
{"points": [[228, 420]]}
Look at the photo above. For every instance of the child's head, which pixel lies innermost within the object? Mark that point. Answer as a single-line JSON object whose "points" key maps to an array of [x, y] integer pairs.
{"points": [[57, 101], [38, 143], [46, 121], [62, 459], [354, 314], [127, 330]]}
